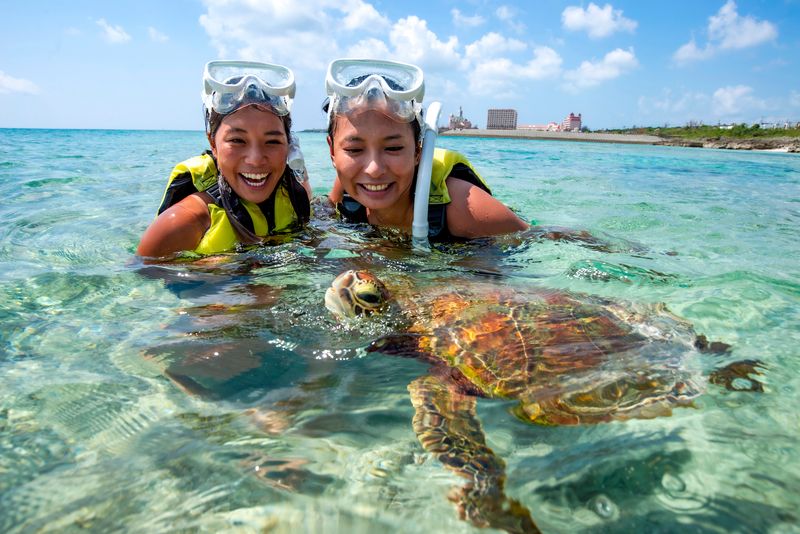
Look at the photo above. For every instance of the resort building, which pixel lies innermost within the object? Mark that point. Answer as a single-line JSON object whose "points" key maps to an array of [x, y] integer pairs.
{"points": [[572, 123], [459, 122], [501, 119]]}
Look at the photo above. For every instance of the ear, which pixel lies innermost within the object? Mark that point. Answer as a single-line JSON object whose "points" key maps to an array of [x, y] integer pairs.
{"points": [[417, 153], [212, 144], [330, 149]]}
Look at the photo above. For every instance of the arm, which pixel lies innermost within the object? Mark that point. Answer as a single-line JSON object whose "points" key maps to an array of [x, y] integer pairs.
{"points": [[179, 228], [337, 192], [307, 187], [475, 213]]}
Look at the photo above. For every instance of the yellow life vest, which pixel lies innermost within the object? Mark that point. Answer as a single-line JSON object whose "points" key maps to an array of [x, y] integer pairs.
{"points": [[446, 164], [287, 208], [221, 236]]}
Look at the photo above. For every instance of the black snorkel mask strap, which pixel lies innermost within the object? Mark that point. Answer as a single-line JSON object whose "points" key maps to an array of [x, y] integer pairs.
{"points": [[240, 220]]}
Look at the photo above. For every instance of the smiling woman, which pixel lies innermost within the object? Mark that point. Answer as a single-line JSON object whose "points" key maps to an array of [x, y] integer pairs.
{"points": [[243, 189], [375, 139]]}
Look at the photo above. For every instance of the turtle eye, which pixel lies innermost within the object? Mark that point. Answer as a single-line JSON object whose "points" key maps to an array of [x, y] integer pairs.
{"points": [[370, 297]]}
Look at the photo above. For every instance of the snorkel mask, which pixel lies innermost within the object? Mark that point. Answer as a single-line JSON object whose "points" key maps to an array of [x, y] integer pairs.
{"points": [[229, 85], [357, 85]]}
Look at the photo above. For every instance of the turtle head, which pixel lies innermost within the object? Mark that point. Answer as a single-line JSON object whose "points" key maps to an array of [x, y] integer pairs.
{"points": [[355, 293]]}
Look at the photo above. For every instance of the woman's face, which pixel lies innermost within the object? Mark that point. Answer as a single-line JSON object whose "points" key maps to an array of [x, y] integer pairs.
{"points": [[251, 148], [374, 157]]}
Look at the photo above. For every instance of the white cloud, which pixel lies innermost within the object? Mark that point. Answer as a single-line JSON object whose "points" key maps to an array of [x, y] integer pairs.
{"points": [[156, 36], [500, 77], [690, 52], [459, 19], [493, 78], [415, 43], [546, 63], [72, 32], [361, 16], [596, 21], [113, 34], [9, 84], [734, 31], [734, 100], [370, 48], [301, 35], [614, 64], [491, 45], [509, 15], [727, 30]]}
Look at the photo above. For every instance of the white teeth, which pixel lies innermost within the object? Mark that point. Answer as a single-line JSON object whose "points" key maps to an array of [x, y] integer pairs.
{"points": [[254, 176], [254, 179], [375, 187]]}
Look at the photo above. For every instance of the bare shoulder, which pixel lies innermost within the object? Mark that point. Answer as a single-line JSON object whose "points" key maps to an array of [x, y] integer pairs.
{"points": [[473, 212], [179, 228]]}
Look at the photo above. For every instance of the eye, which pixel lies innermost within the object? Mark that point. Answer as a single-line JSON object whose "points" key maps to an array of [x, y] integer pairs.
{"points": [[395, 148]]}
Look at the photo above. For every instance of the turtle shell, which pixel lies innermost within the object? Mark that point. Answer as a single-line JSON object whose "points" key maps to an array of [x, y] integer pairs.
{"points": [[567, 358]]}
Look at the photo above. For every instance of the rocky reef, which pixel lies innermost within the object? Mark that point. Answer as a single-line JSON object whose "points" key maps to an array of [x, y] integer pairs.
{"points": [[778, 144]]}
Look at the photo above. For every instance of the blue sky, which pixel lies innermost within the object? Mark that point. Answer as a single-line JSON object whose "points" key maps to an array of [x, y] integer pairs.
{"points": [[126, 64]]}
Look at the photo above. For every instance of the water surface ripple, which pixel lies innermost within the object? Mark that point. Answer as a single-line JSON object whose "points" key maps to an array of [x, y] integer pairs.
{"points": [[221, 396]]}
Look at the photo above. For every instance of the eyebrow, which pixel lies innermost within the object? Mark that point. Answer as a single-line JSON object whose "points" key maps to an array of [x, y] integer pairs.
{"points": [[268, 132], [392, 137]]}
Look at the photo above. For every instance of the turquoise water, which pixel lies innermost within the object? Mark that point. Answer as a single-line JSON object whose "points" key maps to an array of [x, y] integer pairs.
{"points": [[221, 395]]}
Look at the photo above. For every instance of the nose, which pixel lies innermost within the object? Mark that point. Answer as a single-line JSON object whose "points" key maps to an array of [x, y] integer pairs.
{"points": [[256, 154], [375, 165]]}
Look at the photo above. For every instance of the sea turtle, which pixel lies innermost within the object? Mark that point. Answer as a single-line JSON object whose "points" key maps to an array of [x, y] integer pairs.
{"points": [[568, 359]]}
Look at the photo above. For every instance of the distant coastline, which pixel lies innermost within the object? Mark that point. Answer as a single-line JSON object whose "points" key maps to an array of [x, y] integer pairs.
{"points": [[775, 143], [558, 136]]}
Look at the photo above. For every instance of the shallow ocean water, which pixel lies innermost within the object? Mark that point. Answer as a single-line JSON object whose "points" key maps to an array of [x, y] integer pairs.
{"points": [[221, 396]]}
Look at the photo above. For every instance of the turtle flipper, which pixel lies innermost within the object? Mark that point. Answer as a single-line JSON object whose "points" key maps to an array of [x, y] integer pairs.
{"points": [[447, 426], [737, 376]]}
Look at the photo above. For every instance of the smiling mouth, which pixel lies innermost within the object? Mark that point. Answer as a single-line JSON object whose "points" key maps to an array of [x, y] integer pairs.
{"points": [[254, 179], [375, 187]]}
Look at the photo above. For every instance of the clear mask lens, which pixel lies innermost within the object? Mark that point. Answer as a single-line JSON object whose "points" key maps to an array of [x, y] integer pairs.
{"points": [[251, 92], [400, 111], [229, 85], [356, 85]]}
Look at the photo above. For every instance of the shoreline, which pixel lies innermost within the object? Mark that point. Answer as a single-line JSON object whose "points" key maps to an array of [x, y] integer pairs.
{"points": [[558, 136], [765, 144]]}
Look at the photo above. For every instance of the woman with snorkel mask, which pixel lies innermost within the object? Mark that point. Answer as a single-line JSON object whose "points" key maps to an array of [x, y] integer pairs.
{"points": [[243, 190], [375, 138]]}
